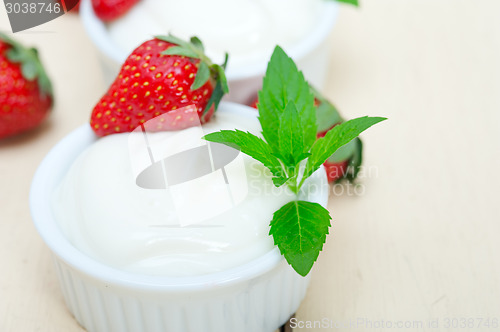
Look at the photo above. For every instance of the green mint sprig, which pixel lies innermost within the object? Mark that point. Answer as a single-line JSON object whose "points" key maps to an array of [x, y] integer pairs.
{"points": [[292, 154]]}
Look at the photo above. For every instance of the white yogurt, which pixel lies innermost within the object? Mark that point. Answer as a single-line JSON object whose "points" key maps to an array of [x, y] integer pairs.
{"points": [[106, 215], [247, 29]]}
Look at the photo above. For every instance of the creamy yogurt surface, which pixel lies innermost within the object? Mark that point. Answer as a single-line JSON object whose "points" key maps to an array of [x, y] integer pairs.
{"points": [[247, 29], [105, 214]]}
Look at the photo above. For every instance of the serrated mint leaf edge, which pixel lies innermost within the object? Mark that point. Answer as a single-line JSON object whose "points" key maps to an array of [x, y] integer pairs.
{"points": [[338, 136], [311, 235], [282, 84]]}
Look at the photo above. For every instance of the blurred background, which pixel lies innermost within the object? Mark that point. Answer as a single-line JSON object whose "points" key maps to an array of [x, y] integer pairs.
{"points": [[417, 241]]}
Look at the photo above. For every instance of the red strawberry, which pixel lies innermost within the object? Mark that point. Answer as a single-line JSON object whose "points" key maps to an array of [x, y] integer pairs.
{"points": [[336, 171], [346, 161], [254, 103], [109, 10], [160, 76], [71, 6], [76, 9], [25, 89]]}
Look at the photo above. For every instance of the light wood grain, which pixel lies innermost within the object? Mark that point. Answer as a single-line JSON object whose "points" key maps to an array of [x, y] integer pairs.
{"points": [[421, 240]]}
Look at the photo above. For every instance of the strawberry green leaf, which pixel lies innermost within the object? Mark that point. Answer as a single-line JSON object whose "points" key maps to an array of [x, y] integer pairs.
{"points": [[202, 76], [221, 74], [180, 50], [222, 77], [197, 43], [282, 84], [340, 135], [327, 115], [216, 97], [252, 146], [221, 87], [31, 67], [16, 56], [4, 37], [194, 49], [299, 230], [226, 59], [355, 162], [29, 70], [173, 40], [291, 141]]}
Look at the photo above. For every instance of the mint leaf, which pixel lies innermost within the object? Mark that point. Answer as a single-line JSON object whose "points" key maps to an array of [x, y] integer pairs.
{"points": [[291, 141], [253, 146], [299, 230], [288, 118], [338, 136], [282, 84]]}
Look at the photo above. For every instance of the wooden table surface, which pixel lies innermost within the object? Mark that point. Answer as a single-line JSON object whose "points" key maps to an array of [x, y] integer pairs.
{"points": [[414, 247]]}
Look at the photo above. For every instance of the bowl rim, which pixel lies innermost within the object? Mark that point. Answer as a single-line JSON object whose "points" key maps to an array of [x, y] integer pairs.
{"points": [[49, 175], [99, 35]]}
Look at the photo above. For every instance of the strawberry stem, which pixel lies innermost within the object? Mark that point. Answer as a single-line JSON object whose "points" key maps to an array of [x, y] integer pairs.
{"points": [[195, 49], [31, 67]]}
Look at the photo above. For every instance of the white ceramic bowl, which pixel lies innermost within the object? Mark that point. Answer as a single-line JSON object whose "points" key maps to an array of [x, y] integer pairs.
{"points": [[311, 54], [258, 296]]}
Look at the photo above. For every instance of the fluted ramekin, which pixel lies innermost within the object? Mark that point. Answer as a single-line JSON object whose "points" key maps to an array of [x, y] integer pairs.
{"points": [[258, 296], [311, 54]]}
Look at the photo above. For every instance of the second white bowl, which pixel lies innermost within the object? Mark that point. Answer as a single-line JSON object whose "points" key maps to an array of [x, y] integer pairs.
{"points": [[311, 54]]}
